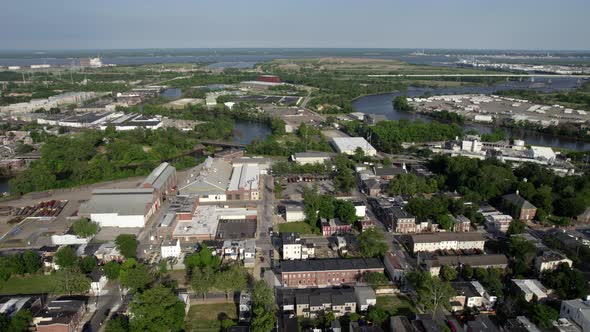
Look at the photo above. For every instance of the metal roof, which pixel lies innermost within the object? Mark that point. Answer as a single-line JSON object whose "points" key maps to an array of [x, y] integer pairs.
{"points": [[160, 175], [127, 202]]}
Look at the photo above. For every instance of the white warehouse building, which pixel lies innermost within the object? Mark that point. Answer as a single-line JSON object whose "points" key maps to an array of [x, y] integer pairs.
{"points": [[348, 145], [121, 207]]}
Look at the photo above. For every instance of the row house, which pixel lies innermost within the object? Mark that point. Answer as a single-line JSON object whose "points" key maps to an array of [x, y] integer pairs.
{"points": [[431, 242], [327, 272]]}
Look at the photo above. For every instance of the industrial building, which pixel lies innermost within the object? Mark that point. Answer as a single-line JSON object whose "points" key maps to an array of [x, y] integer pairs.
{"points": [[121, 207], [207, 218], [216, 180], [162, 179], [305, 158], [348, 145]]}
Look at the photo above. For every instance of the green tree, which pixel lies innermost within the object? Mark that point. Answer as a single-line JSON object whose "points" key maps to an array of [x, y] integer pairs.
{"points": [[134, 275], [263, 312], [372, 243], [445, 221], [203, 280], [231, 279], [376, 279], [117, 324], [567, 282], [345, 211], [157, 309], [19, 322], [467, 272], [400, 103], [543, 315], [433, 293], [359, 154], [31, 261], [71, 281], [377, 315], [85, 228], [203, 258], [448, 273], [517, 226], [127, 245], [87, 264], [66, 257], [111, 270]]}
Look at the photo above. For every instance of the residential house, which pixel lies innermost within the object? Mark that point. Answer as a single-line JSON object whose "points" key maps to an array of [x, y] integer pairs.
{"points": [[388, 172], [334, 227], [310, 303], [498, 222], [433, 263], [461, 224], [97, 282], [531, 289], [327, 272], [432, 242], [577, 311], [396, 265], [401, 220], [296, 248], [365, 298], [471, 294], [245, 307], [60, 315], [549, 260]]}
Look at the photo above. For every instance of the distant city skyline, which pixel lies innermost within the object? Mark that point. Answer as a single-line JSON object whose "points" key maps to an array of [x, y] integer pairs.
{"points": [[430, 24]]}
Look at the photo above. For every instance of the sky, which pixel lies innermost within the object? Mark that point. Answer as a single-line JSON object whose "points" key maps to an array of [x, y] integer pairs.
{"points": [[128, 24]]}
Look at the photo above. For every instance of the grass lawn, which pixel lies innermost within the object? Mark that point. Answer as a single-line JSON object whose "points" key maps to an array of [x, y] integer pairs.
{"points": [[396, 305], [300, 227], [33, 284], [205, 317]]}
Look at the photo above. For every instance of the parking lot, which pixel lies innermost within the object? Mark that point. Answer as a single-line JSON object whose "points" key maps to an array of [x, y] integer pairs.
{"points": [[294, 190]]}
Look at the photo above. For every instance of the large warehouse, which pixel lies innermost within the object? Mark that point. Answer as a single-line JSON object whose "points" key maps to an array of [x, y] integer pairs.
{"points": [[121, 207], [348, 145], [162, 179]]}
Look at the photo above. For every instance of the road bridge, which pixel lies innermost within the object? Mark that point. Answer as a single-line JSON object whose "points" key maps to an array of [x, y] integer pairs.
{"points": [[224, 144]]}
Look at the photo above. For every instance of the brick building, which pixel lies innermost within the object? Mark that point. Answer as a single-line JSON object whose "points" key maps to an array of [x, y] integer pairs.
{"points": [[518, 207], [327, 272], [334, 227]]}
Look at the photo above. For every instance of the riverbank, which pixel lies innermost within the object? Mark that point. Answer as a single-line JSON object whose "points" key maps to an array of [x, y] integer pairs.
{"points": [[382, 104]]}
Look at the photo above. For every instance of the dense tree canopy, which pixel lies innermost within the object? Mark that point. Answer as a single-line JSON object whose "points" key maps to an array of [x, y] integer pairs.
{"points": [[157, 309], [127, 245], [372, 243]]}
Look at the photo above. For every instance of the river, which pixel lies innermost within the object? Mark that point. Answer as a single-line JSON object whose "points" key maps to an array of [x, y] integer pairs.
{"points": [[382, 104]]}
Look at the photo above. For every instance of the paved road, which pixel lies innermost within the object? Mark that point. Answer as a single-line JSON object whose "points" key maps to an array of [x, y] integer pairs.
{"points": [[110, 298], [265, 216]]}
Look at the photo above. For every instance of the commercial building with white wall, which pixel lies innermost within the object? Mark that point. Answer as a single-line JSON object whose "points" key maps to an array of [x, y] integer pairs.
{"points": [[170, 248], [348, 145], [305, 158], [121, 207]]}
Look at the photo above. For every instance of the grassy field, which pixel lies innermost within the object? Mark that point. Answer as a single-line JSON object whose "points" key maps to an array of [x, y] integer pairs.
{"points": [[300, 227], [206, 317], [34, 284], [396, 305]]}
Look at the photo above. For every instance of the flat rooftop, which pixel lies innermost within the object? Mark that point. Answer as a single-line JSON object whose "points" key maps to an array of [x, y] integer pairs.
{"points": [[206, 220]]}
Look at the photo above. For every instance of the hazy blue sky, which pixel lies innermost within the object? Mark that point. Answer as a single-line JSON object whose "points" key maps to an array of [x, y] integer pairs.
{"points": [[83, 24]]}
